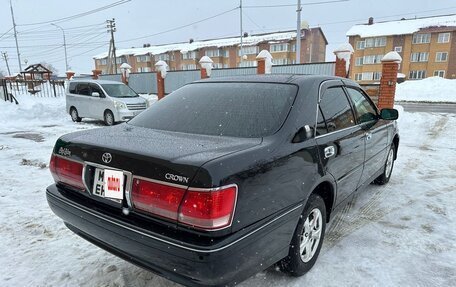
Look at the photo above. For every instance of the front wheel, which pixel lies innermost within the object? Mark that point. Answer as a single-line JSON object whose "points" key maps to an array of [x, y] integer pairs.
{"points": [[307, 239], [74, 115], [109, 118], [388, 168]]}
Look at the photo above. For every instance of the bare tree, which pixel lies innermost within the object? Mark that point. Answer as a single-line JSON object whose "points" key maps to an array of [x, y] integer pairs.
{"points": [[50, 67]]}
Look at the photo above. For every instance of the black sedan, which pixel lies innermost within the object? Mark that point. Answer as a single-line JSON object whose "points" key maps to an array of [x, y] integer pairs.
{"points": [[225, 177]]}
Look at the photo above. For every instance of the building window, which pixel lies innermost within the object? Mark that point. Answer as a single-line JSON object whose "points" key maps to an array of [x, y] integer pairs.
{"points": [[162, 57], [441, 56], [248, 64], [284, 47], [366, 76], [419, 57], [443, 38], [121, 60], [377, 76], [375, 42], [189, 67], [360, 45], [104, 61], [189, 55], [421, 38], [143, 69], [416, 75], [143, 58], [398, 49], [218, 65], [439, 73], [213, 53], [372, 59], [251, 50], [283, 61], [359, 61]]}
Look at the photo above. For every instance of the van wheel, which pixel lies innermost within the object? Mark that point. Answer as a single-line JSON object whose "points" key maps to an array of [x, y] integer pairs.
{"points": [[74, 115], [307, 239], [388, 168], [109, 118]]}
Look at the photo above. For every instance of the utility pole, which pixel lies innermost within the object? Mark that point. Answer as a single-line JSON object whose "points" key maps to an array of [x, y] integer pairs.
{"points": [[112, 47], [298, 33], [241, 53], [5, 57], [64, 45], [15, 37]]}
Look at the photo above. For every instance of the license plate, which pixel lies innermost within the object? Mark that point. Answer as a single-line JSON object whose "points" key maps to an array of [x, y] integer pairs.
{"points": [[108, 183]]}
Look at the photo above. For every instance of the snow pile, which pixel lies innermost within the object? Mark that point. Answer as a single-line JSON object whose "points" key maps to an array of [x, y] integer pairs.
{"points": [[44, 110], [400, 27], [433, 89]]}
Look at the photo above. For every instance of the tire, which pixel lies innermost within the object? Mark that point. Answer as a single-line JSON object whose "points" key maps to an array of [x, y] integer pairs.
{"points": [[109, 118], [75, 115], [302, 256], [387, 168]]}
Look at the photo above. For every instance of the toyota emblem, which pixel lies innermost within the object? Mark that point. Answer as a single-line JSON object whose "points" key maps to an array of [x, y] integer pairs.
{"points": [[106, 157]]}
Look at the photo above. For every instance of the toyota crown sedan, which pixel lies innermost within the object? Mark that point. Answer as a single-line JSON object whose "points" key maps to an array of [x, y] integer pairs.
{"points": [[225, 177]]}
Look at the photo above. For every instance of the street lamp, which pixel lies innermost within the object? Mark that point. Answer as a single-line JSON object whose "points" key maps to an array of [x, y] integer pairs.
{"points": [[64, 45]]}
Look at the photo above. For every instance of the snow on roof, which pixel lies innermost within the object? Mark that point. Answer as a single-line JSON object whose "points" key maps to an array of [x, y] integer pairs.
{"points": [[187, 47], [400, 27]]}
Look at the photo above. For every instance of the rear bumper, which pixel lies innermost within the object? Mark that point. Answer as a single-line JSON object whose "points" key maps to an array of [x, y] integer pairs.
{"points": [[234, 259]]}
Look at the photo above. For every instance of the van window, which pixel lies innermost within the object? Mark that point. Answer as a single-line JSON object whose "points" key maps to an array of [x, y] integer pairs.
{"points": [[72, 88], [95, 89], [83, 89], [365, 111]]}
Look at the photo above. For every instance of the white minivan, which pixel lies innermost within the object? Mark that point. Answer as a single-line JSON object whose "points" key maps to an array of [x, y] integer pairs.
{"points": [[109, 101]]}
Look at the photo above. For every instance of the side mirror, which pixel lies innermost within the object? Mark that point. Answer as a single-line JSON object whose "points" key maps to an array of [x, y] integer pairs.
{"points": [[95, 94], [306, 132], [389, 114]]}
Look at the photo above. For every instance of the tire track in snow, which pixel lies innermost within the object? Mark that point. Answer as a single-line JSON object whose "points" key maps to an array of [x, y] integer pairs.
{"points": [[344, 224]]}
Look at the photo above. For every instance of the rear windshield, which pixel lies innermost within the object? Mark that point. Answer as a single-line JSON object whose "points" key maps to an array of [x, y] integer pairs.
{"points": [[245, 110], [119, 91]]}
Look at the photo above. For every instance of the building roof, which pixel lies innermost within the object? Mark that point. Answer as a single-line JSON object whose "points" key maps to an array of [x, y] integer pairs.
{"points": [[250, 40], [401, 27]]}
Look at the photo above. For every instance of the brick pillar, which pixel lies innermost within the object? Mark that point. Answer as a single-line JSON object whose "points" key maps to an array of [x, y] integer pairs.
{"points": [[95, 74], [206, 67], [264, 62], [341, 70], [204, 73], [161, 68], [343, 56], [69, 74], [160, 86], [261, 66], [387, 90]]}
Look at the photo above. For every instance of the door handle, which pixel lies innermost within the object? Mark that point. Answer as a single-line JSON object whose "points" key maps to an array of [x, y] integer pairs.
{"points": [[329, 151], [368, 136]]}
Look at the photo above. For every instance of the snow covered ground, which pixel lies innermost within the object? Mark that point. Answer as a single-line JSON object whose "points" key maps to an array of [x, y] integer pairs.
{"points": [[403, 233], [433, 89]]}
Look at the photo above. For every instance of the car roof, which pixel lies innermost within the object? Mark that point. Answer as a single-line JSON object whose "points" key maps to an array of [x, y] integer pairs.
{"points": [[277, 78], [94, 81]]}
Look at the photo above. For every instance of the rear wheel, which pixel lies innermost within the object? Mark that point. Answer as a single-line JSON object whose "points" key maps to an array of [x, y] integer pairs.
{"points": [[307, 240], [108, 118], [388, 168], [75, 115]]}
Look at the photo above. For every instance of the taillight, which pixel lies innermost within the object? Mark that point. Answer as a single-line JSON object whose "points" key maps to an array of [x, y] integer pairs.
{"points": [[155, 198], [67, 171], [208, 209]]}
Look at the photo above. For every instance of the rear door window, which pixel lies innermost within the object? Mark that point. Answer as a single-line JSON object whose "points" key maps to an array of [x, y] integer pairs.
{"points": [[336, 109], [223, 109], [72, 88], [95, 89]]}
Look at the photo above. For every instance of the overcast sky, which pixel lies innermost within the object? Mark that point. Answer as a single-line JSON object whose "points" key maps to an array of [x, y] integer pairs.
{"points": [[138, 18]]}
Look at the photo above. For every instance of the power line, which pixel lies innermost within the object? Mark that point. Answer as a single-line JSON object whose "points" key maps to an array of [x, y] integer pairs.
{"points": [[68, 18], [1, 36], [180, 27], [294, 5]]}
